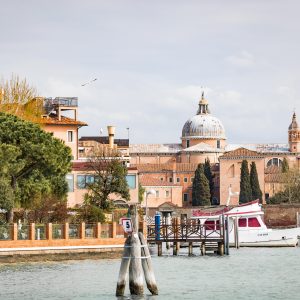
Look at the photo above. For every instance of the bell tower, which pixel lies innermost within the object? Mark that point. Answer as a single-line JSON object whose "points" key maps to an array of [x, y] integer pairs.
{"points": [[294, 135]]}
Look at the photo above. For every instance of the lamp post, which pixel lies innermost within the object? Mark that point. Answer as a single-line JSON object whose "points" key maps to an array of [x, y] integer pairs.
{"points": [[147, 193]]}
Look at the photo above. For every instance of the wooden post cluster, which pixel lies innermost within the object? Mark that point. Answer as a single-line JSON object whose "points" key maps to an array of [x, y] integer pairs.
{"points": [[137, 262]]}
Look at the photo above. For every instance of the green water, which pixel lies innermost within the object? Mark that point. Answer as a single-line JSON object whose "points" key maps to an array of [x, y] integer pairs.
{"points": [[245, 274]]}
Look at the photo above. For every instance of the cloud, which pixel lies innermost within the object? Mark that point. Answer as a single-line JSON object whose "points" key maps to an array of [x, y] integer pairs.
{"points": [[243, 60]]}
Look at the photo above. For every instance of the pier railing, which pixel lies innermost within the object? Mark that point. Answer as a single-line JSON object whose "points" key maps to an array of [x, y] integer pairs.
{"points": [[184, 233]]}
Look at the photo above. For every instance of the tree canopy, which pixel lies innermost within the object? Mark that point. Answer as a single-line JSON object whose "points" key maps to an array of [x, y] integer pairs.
{"points": [[200, 189], [33, 164], [255, 188], [108, 177], [290, 193], [245, 186], [19, 98], [210, 177]]}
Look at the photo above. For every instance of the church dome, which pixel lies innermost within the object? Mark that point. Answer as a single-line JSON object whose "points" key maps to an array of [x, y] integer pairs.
{"points": [[203, 124]]}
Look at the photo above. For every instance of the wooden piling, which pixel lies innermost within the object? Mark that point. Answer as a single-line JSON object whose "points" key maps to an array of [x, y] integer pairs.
{"points": [[174, 248], [124, 268], [202, 248], [147, 266], [220, 248], [227, 235], [136, 278], [159, 249], [236, 233], [190, 248]]}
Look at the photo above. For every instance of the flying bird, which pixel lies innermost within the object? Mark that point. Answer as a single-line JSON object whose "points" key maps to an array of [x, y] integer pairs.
{"points": [[89, 82]]}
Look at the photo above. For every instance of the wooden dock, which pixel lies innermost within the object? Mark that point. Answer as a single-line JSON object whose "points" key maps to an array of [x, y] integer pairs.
{"points": [[189, 233]]}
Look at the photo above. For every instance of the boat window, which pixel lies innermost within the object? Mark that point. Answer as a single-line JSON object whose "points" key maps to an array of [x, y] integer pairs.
{"points": [[242, 222], [209, 225], [253, 222], [217, 225]]}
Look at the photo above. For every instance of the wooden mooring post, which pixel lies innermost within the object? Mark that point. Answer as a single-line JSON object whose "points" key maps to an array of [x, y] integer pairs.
{"points": [[236, 233], [136, 250]]}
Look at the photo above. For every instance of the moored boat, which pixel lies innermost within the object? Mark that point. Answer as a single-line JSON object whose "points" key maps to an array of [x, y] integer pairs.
{"points": [[252, 231]]}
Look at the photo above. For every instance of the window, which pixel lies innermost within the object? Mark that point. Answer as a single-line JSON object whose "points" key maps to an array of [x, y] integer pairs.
{"points": [[218, 144], [80, 181], [70, 181], [170, 179], [187, 143], [177, 179], [274, 162], [84, 180], [192, 179], [161, 179], [209, 225], [131, 181], [253, 222], [157, 194], [70, 136], [242, 222], [167, 194], [185, 197], [185, 179]]}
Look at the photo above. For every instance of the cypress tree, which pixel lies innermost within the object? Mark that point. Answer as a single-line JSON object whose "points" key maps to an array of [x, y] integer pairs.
{"points": [[245, 186], [200, 191], [255, 188], [284, 166], [209, 176]]}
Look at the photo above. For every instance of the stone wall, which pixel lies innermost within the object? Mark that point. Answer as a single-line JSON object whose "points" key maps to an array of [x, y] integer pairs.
{"points": [[281, 215]]}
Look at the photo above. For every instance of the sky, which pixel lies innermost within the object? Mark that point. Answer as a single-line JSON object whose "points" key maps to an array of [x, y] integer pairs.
{"points": [[152, 59]]}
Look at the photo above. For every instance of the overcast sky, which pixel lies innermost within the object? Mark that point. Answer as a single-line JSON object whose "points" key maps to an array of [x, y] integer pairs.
{"points": [[152, 57]]}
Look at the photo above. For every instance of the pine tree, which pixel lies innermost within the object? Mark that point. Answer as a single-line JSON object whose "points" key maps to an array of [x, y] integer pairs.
{"points": [[245, 186], [209, 176], [285, 166], [255, 188], [200, 191]]}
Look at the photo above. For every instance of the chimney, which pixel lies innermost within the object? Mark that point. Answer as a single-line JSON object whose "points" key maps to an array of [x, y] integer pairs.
{"points": [[111, 136]]}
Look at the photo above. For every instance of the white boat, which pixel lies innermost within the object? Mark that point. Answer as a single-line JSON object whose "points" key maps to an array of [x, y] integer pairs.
{"points": [[251, 229]]}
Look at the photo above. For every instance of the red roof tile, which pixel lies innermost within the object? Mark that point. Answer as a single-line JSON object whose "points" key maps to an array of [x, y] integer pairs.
{"points": [[147, 180]]}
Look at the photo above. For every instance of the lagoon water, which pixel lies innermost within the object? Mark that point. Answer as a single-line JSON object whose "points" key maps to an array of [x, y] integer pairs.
{"points": [[247, 273]]}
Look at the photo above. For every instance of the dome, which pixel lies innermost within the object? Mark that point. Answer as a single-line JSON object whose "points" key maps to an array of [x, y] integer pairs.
{"points": [[203, 124]]}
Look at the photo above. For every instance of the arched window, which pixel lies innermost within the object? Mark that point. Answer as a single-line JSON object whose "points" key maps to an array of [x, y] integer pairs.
{"points": [[274, 162]]}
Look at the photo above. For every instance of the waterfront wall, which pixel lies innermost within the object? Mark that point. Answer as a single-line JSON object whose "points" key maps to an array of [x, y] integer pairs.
{"points": [[281, 215]]}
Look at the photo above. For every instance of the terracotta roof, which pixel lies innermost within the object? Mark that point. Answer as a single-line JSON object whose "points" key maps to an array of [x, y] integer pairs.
{"points": [[272, 169], [274, 178], [104, 140], [53, 119], [154, 148], [169, 167], [147, 180], [167, 203], [241, 153]]}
